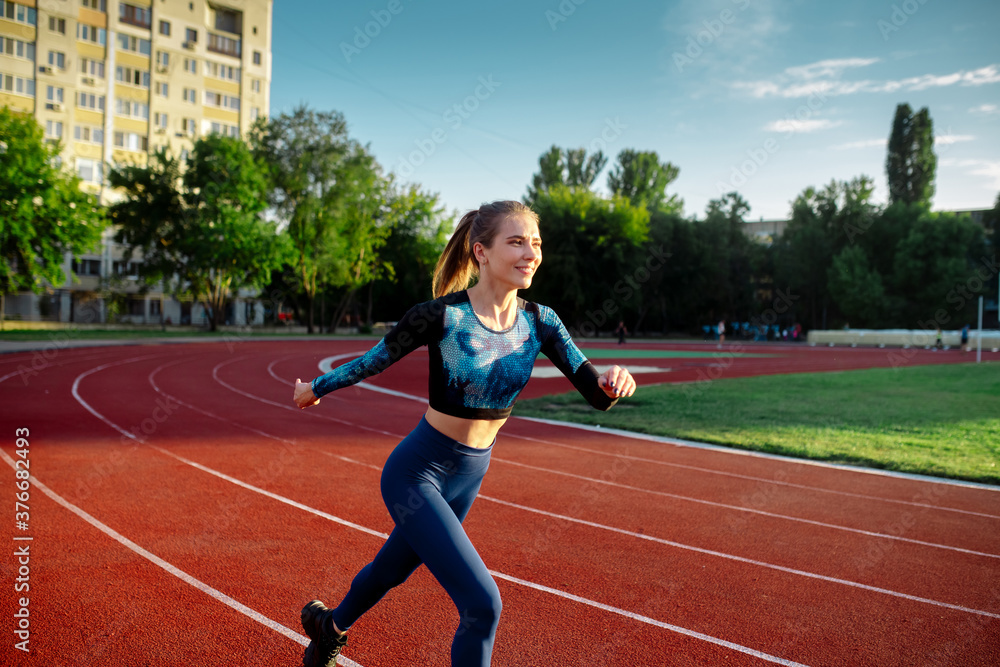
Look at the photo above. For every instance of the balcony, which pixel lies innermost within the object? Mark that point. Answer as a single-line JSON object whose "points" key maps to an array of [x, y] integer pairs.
{"points": [[225, 45]]}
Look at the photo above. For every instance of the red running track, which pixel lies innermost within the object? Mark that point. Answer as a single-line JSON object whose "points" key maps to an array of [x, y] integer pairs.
{"points": [[182, 511]]}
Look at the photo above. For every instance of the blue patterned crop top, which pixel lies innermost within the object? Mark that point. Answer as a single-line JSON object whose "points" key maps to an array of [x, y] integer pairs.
{"points": [[475, 372]]}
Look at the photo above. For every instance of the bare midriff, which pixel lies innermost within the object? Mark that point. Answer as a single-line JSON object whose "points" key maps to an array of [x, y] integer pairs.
{"points": [[478, 433]]}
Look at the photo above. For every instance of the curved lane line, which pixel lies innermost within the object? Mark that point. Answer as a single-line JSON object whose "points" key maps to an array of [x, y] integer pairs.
{"points": [[172, 569]]}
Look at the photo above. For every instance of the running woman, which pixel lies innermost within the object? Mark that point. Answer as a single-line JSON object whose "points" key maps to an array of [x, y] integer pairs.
{"points": [[482, 343]]}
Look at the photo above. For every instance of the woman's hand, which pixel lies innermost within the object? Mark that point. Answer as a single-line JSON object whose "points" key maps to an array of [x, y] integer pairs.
{"points": [[617, 382], [304, 396]]}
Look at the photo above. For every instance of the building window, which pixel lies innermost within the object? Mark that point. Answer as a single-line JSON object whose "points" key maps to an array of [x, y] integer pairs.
{"points": [[228, 20], [191, 65], [90, 101], [215, 99], [53, 129], [140, 16], [191, 95], [131, 109], [20, 13], [87, 267], [89, 33], [256, 58], [133, 77], [225, 130], [189, 127], [57, 25], [89, 134], [92, 67], [162, 89], [96, 5], [135, 44], [160, 120], [224, 45], [57, 59], [131, 141], [16, 48], [163, 59], [191, 35], [165, 28], [255, 85], [254, 113], [15, 84], [219, 71], [54, 94], [89, 171]]}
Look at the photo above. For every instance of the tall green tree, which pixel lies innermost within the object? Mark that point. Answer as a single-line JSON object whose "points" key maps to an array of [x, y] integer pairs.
{"points": [[201, 228], [911, 164], [640, 177], [565, 167], [43, 212], [316, 171], [590, 250]]}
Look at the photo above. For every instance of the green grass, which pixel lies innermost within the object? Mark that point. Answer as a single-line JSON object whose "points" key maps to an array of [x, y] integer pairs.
{"points": [[934, 420]]}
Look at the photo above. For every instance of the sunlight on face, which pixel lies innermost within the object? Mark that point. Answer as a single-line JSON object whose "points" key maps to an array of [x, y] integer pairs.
{"points": [[515, 255]]}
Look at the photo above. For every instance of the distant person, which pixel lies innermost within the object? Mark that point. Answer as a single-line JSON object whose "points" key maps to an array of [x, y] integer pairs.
{"points": [[621, 331], [482, 343], [965, 338], [721, 330], [938, 343]]}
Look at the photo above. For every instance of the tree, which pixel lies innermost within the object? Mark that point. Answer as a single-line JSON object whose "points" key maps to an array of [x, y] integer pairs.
{"points": [[590, 250], [417, 237], [203, 229], [857, 288], [911, 164], [640, 177], [43, 212], [567, 167], [315, 170]]}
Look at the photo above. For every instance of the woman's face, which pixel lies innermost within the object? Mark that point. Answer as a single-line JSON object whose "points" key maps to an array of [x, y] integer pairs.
{"points": [[515, 254]]}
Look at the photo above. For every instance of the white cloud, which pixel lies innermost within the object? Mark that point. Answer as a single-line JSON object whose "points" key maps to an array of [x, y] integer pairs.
{"points": [[866, 143], [824, 78], [948, 139], [985, 109], [800, 126]]}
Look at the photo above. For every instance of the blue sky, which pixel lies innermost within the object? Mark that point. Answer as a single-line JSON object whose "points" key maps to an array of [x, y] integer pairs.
{"points": [[765, 97]]}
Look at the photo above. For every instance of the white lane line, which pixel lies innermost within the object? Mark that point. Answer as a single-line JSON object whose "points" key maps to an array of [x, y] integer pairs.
{"points": [[737, 508], [326, 365], [172, 569], [500, 575], [741, 559], [751, 478]]}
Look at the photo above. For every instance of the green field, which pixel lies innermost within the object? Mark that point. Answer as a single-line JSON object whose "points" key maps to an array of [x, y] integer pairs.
{"points": [[935, 420]]}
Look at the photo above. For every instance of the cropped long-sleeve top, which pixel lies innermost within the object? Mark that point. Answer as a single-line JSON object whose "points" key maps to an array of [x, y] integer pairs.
{"points": [[475, 372]]}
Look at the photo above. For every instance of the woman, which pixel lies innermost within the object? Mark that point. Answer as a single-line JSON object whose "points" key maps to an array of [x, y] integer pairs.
{"points": [[482, 343]]}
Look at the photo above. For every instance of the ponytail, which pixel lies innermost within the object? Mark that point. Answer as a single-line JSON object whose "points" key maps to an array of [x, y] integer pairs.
{"points": [[457, 265]]}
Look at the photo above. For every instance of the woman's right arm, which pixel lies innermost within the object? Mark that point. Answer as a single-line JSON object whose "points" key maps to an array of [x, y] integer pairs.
{"points": [[409, 333]]}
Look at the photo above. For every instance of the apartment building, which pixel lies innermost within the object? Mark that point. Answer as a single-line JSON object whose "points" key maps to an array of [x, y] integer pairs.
{"points": [[113, 81]]}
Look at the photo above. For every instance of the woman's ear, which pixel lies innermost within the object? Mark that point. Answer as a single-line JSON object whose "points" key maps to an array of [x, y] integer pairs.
{"points": [[479, 252]]}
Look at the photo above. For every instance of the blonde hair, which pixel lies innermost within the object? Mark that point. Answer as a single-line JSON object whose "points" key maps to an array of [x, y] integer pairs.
{"points": [[457, 265]]}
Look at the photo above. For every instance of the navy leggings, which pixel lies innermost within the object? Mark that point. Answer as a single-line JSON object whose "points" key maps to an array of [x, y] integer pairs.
{"points": [[428, 484]]}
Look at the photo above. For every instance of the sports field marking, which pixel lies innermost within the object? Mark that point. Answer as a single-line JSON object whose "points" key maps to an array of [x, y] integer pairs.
{"points": [[737, 508], [633, 353], [297, 505], [169, 567], [751, 478], [598, 525]]}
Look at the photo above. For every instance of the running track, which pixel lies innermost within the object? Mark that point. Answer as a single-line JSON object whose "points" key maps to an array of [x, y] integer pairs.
{"points": [[182, 511]]}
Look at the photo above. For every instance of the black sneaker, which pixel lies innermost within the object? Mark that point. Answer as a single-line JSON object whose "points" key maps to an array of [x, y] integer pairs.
{"points": [[325, 645]]}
